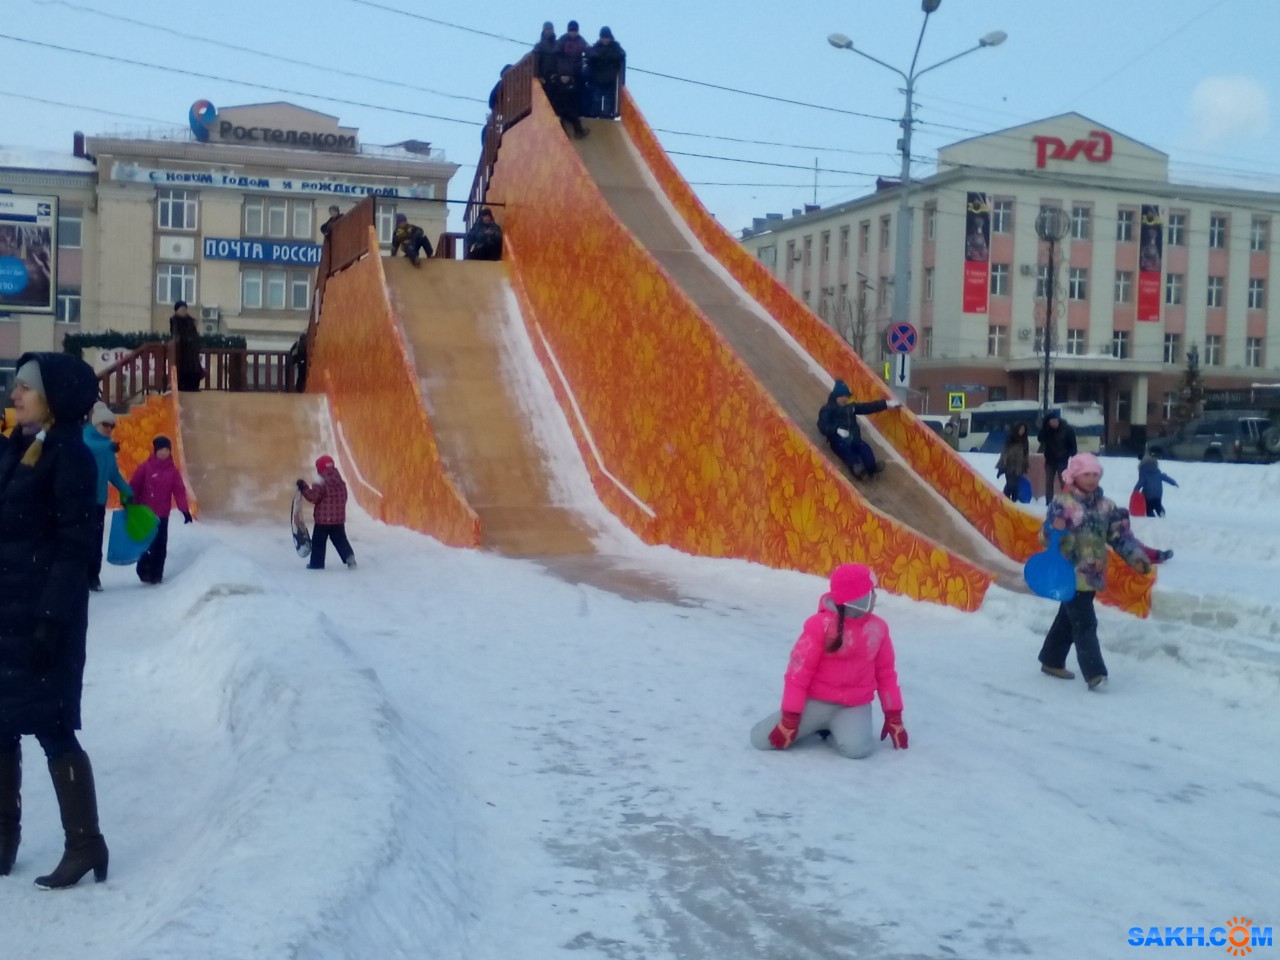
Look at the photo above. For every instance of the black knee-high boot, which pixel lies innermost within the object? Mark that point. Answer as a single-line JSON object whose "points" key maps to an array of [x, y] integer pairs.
{"points": [[10, 807], [78, 802]]}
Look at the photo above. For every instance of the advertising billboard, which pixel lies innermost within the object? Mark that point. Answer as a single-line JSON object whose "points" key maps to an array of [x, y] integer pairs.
{"points": [[28, 253]]}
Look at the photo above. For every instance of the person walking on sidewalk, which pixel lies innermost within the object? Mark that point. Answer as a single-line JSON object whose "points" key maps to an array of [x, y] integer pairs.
{"points": [[158, 484], [1015, 460], [97, 437], [842, 661], [1058, 444], [47, 508], [1089, 523], [330, 499]]}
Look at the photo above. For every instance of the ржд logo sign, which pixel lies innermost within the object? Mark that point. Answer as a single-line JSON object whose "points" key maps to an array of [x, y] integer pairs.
{"points": [[1096, 149]]}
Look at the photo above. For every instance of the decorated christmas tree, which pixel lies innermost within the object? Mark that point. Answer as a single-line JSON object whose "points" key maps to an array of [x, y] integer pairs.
{"points": [[1191, 393]]}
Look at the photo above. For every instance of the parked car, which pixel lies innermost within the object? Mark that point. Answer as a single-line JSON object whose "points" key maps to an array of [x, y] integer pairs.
{"points": [[1222, 437]]}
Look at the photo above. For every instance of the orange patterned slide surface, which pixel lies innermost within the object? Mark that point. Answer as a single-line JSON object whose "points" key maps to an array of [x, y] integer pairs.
{"points": [[362, 363], [683, 443], [1013, 531]]}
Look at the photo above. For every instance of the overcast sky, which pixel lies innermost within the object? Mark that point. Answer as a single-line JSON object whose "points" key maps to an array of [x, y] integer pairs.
{"points": [[1198, 79]]}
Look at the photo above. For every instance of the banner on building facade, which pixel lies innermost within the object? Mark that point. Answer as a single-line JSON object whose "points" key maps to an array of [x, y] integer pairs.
{"points": [[28, 253], [262, 251], [1150, 263], [977, 253], [220, 180]]}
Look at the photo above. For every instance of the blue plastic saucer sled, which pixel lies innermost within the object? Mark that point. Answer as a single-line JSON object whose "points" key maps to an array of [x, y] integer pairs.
{"points": [[133, 530], [1050, 574], [1024, 490]]}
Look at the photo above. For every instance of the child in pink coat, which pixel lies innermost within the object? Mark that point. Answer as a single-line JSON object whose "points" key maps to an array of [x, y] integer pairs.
{"points": [[843, 659], [158, 484]]}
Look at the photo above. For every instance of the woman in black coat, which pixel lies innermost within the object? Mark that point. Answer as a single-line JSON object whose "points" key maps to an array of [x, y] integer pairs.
{"points": [[47, 543], [182, 328]]}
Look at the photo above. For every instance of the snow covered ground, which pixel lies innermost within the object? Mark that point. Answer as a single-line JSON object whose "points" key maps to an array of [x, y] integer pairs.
{"points": [[451, 754]]}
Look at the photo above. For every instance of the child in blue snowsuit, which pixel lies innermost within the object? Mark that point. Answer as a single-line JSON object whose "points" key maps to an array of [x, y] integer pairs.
{"points": [[1151, 481], [838, 422]]}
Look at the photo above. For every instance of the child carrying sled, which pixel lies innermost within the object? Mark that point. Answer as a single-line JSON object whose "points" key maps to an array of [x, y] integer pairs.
{"points": [[843, 659], [330, 499]]}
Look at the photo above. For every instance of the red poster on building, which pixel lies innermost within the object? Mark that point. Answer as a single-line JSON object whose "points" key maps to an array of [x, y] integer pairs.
{"points": [[977, 253], [1150, 263]]}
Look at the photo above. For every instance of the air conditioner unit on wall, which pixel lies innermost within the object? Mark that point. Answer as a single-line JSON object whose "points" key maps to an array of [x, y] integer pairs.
{"points": [[210, 327], [1024, 333], [1026, 270], [211, 313]]}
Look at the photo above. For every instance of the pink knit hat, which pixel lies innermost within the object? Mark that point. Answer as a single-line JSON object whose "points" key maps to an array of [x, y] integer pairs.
{"points": [[1081, 463], [851, 581]]}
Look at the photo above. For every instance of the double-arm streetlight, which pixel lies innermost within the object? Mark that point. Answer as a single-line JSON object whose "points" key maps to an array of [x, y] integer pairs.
{"points": [[902, 250]]}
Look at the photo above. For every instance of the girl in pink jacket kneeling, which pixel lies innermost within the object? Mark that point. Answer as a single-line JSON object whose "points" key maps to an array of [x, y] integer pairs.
{"points": [[844, 657]]}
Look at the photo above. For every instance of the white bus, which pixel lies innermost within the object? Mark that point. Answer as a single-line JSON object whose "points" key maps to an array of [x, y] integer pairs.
{"points": [[986, 427]]}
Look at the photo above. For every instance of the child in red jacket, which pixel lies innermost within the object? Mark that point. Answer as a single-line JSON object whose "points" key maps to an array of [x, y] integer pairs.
{"points": [[158, 484], [330, 499], [842, 661]]}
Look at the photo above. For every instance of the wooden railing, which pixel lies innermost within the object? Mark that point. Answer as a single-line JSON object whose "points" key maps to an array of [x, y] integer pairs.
{"points": [[149, 370], [136, 374], [514, 103]]}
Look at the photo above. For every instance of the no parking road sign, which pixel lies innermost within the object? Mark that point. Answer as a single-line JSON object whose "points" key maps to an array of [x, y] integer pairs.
{"points": [[902, 338]]}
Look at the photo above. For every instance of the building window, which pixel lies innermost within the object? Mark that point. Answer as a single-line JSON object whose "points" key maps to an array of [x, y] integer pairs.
{"points": [[276, 283], [1078, 283], [1124, 404], [999, 279], [251, 290], [882, 292], [1218, 232], [1120, 344], [68, 308], [1002, 216], [808, 251], [928, 283], [805, 295], [275, 289], [176, 209], [1213, 351], [928, 342], [1172, 348], [302, 229], [1257, 294], [1075, 343], [175, 281], [768, 256], [1124, 286], [1124, 226], [1042, 280], [1253, 352], [387, 224], [299, 290], [1079, 223], [996, 394], [1173, 289], [844, 243], [254, 217], [1038, 346], [1177, 229], [1214, 290], [884, 233], [277, 218], [931, 222], [864, 236], [1259, 227], [826, 246], [791, 255], [996, 337], [70, 230], [1170, 404]]}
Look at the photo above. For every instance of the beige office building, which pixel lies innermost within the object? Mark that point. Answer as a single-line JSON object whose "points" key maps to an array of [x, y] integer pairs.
{"points": [[225, 215], [1210, 290]]}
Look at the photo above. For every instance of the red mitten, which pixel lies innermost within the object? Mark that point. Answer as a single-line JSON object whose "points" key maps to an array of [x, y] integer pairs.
{"points": [[894, 729], [784, 734]]}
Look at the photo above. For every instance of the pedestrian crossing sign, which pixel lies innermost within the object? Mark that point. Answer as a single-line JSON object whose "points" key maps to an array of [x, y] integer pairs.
{"points": [[955, 402]]}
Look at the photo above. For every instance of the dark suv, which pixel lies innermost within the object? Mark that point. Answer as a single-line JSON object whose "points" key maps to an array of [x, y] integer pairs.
{"points": [[1218, 438]]}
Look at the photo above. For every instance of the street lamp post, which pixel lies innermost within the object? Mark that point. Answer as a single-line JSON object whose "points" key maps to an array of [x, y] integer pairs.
{"points": [[1052, 225], [902, 248]]}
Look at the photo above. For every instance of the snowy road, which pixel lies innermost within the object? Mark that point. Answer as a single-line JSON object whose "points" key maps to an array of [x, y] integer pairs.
{"points": [[451, 754]]}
